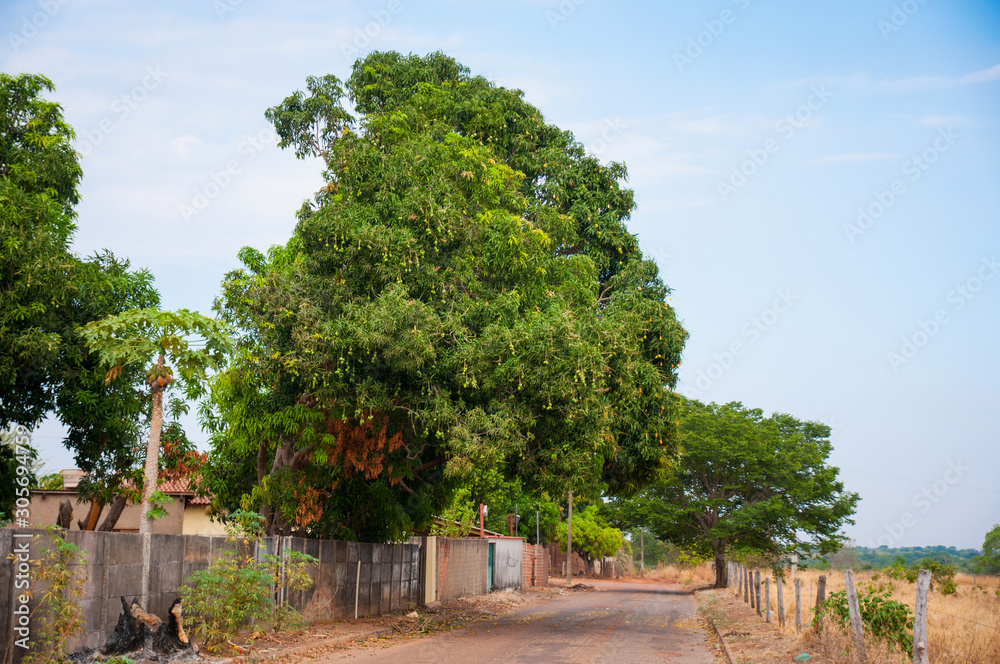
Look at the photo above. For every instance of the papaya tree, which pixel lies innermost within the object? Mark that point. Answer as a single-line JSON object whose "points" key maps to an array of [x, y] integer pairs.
{"points": [[194, 344]]}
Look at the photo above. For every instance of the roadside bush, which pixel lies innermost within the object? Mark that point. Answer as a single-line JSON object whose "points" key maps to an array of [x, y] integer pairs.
{"points": [[883, 618]]}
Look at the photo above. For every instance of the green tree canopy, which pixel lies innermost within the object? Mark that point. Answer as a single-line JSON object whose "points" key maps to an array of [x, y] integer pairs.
{"points": [[462, 293], [593, 538], [105, 421], [989, 562], [746, 482], [39, 174]]}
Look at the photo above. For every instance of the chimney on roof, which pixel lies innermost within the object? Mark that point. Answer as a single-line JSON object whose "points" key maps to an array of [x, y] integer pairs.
{"points": [[71, 477]]}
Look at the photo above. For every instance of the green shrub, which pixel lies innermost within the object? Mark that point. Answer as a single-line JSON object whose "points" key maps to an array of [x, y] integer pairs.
{"points": [[942, 574], [883, 618], [236, 590]]}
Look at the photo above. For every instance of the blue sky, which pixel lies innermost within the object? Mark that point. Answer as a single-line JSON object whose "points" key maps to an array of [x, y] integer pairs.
{"points": [[817, 181]]}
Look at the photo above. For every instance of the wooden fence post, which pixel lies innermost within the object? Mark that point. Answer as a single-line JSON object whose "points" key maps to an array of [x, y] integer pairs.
{"points": [[756, 587], [753, 595], [820, 596], [857, 627], [781, 601], [746, 586], [920, 654], [798, 605], [767, 600]]}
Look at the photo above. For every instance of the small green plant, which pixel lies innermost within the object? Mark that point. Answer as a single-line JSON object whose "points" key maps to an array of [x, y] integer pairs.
{"points": [[237, 590], [158, 503], [58, 617], [883, 618], [119, 660]]}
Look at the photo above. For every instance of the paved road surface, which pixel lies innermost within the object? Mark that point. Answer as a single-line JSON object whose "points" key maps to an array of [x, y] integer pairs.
{"points": [[621, 623]]}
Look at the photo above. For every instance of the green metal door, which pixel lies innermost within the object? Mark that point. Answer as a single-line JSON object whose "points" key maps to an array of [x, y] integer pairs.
{"points": [[489, 567]]}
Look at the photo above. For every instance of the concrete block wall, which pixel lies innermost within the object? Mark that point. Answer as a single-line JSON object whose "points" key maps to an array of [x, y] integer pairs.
{"points": [[463, 567], [115, 567]]}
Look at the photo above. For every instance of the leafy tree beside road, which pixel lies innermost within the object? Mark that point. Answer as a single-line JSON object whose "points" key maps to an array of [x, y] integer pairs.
{"points": [[462, 293], [745, 482], [593, 538]]}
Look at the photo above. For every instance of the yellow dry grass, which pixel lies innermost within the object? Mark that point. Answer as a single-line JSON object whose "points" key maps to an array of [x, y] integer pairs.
{"points": [[686, 575], [963, 628]]}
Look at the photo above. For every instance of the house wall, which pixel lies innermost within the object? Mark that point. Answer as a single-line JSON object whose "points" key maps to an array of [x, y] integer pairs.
{"points": [[44, 511], [507, 563], [197, 522]]}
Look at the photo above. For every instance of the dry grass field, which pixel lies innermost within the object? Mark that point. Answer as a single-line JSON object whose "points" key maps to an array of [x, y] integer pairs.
{"points": [[963, 628], [686, 575]]}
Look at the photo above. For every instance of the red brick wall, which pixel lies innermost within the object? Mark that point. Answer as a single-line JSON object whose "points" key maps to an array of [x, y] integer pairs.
{"points": [[535, 565], [557, 563]]}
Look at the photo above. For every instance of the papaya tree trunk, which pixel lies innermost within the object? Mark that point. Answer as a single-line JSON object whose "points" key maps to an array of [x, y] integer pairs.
{"points": [[152, 454]]}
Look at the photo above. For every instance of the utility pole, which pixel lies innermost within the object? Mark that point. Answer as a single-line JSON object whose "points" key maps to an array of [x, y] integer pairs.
{"points": [[569, 543]]}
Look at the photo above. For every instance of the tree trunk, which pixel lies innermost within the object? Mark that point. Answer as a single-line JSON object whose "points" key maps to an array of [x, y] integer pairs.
{"points": [[152, 455], [117, 507], [569, 543], [95, 513], [721, 573]]}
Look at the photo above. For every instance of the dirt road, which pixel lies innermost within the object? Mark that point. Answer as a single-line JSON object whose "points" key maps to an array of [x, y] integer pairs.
{"points": [[619, 623]]}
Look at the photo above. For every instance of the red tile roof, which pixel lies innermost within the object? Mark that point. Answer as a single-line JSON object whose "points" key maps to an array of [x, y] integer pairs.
{"points": [[183, 486]]}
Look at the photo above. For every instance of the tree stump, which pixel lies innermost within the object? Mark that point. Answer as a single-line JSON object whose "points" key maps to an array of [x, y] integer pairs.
{"points": [[142, 635]]}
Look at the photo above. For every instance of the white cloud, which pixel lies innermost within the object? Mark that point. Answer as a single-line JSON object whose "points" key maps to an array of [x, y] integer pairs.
{"points": [[853, 157], [182, 144], [934, 82]]}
